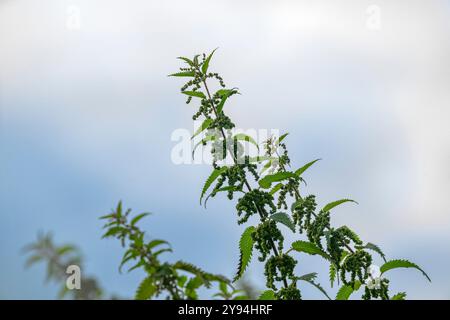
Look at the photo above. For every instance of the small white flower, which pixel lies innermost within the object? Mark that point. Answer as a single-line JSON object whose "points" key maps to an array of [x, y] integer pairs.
{"points": [[374, 280]]}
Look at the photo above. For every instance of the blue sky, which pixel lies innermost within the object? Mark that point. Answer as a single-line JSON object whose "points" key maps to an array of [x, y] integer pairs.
{"points": [[86, 117]]}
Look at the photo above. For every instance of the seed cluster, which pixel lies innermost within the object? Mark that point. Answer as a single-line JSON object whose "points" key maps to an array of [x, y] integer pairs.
{"points": [[278, 268], [252, 202], [266, 235], [303, 212], [289, 293], [356, 264]]}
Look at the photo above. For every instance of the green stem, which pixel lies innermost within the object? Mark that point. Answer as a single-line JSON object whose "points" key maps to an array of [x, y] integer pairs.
{"points": [[261, 211]]}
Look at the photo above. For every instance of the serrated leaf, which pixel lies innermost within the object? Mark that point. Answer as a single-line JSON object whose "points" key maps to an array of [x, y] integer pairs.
{"points": [[283, 218], [309, 248], [267, 295], [224, 94], [267, 181], [154, 243], [212, 177], [222, 189], [333, 204], [244, 137], [399, 296], [146, 289], [344, 292], [188, 61], [400, 263], [375, 248], [189, 267], [197, 94], [203, 141], [300, 171], [275, 188], [246, 250], [191, 287], [66, 249], [310, 277], [206, 63], [112, 232], [332, 273], [138, 217], [281, 138], [203, 127], [183, 74]]}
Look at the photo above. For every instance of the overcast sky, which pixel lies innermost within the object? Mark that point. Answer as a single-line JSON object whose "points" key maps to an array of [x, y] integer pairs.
{"points": [[87, 113]]}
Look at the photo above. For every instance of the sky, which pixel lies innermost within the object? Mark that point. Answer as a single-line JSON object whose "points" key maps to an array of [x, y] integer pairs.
{"points": [[87, 113]]}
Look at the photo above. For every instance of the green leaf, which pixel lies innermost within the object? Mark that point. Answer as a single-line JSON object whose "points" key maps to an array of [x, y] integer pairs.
{"points": [[275, 188], [309, 248], [394, 264], [127, 256], [333, 204], [183, 74], [246, 250], [267, 295], [146, 289], [267, 181], [206, 63], [300, 171], [212, 177], [137, 265], [154, 243], [203, 141], [182, 280], [66, 249], [296, 204], [332, 274], [223, 189], [375, 248], [258, 159], [224, 94], [244, 137], [191, 287], [157, 253], [196, 59], [203, 127], [138, 217], [310, 277], [189, 267], [33, 259], [188, 61], [399, 296], [283, 218], [344, 292], [112, 232], [281, 138], [197, 94]]}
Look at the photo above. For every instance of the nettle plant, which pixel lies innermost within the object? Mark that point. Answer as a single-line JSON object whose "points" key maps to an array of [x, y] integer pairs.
{"points": [[267, 191]]}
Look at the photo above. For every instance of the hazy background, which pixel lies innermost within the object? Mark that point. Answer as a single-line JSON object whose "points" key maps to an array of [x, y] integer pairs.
{"points": [[87, 111]]}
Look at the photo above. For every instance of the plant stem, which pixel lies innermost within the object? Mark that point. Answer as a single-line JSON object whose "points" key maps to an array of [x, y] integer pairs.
{"points": [[261, 211]]}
